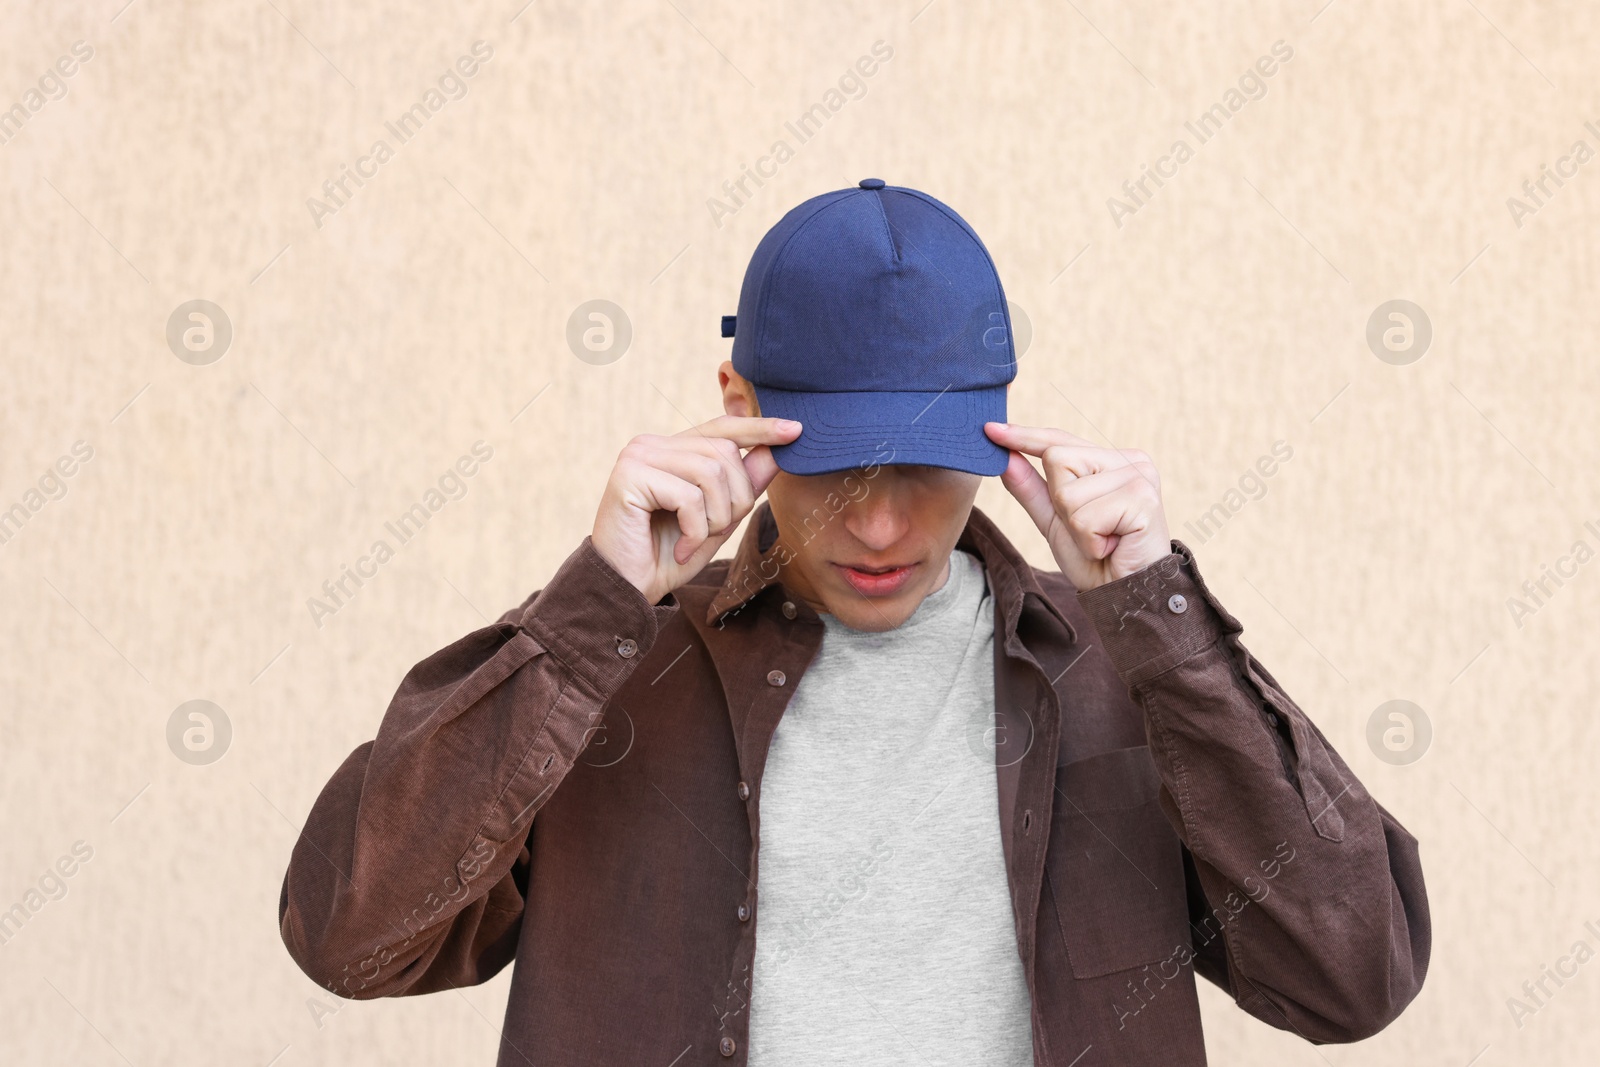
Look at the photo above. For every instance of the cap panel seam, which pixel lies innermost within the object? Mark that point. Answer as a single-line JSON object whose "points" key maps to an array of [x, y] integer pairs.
{"points": [[888, 228]]}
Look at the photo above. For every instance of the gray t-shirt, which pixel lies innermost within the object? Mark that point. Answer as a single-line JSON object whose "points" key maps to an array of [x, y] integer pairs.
{"points": [[885, 932]]}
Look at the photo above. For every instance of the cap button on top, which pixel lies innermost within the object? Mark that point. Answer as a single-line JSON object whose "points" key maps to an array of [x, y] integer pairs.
{"points": [[872, 183]]}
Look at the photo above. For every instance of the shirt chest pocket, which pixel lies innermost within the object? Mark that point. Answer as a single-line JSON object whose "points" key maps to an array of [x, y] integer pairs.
{"points": [[1115, 865]]}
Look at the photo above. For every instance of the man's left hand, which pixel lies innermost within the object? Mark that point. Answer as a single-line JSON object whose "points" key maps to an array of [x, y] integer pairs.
{"points": [[1099, 508]]}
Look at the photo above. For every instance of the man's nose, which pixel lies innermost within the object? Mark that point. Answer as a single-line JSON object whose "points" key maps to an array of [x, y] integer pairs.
{"points": [[877, 521]]}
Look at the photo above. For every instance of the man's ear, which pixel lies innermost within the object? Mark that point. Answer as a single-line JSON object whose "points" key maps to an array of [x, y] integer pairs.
{"points": [[738, 395]]}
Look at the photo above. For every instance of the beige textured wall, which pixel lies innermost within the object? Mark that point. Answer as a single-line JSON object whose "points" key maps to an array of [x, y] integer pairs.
{"points": [[368, 353]]}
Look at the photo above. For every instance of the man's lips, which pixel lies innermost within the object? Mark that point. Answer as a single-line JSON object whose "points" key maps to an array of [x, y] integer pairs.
{"points": [[876, 581]]}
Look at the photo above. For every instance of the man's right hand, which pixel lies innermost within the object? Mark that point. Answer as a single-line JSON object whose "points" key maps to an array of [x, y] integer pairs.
{"points": [[672, 501]]}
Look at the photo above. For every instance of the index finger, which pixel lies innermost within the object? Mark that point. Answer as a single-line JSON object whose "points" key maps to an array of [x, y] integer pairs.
{"points": [[1033, 439], [747, 432]]}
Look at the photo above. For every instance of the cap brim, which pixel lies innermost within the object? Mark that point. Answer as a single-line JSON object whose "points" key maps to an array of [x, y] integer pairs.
{"points": [[841, 431]]}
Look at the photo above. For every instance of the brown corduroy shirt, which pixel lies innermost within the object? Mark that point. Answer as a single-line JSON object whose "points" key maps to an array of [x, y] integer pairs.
{"points": [[577, 789]]}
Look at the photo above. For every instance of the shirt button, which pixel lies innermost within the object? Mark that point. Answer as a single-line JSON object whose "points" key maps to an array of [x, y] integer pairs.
{"points": [[1177, 604], [744, 913], [726, 1046], [626, 648], [776, 678], [744, 790], [1272, 719], [789, 610]]}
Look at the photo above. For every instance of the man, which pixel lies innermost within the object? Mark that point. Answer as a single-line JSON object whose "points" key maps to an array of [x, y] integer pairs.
{"points": [[875, 791]]}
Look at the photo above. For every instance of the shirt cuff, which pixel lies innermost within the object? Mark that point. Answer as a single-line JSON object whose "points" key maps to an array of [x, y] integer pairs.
{"points": [[1154, 619], [595, 621]]}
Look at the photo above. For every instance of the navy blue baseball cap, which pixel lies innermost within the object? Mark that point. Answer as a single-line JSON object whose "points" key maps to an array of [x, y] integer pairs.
{"points": [[874, 316]]}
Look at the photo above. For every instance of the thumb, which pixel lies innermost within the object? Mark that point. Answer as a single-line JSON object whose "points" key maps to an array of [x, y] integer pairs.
{"points": [[1031, 491], [760, 465]]}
